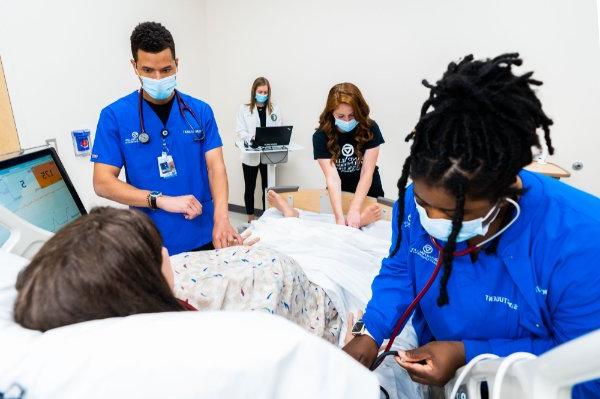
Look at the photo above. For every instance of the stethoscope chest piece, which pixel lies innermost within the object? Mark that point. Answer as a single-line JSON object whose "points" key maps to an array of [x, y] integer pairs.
{"points": [[144, 138]]}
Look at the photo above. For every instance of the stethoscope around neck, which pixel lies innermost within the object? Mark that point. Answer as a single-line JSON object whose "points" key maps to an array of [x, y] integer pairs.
{"points": [[474, 248], [144, 137]]}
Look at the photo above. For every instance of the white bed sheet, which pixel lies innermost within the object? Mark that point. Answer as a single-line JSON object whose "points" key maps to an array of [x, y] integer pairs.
{"points": [[381, 229]]}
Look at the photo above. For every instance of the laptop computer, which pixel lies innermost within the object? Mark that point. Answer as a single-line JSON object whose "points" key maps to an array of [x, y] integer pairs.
{"points": [[274, 136]]}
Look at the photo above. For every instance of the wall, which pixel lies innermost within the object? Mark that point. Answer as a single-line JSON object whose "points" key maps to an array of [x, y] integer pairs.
{"points": [[387, 48], [65, 60]]}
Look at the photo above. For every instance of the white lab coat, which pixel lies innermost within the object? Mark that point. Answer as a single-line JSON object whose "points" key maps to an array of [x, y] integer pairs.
{"points": [[246, 125]]}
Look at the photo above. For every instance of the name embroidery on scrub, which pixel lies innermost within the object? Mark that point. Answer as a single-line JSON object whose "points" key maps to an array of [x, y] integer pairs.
{"points": [[424, 253], [134, 138], [541, 291], [192, 131], [502, 299]]}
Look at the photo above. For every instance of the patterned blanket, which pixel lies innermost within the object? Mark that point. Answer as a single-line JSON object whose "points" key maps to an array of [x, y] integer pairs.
{"points": [[259, 279]]}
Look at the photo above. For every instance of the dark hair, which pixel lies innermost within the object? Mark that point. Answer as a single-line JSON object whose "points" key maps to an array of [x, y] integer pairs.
{"points": [[151, 37], [260, 81], [475, 140], [104, 264], [346, 93]]}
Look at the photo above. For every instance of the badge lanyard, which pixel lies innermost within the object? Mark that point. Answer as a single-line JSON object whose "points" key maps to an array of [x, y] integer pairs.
{"points": [[166, 164]]}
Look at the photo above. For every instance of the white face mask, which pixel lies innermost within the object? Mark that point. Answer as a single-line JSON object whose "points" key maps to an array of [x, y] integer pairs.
{"points": [[159, 89], [440, 229]]}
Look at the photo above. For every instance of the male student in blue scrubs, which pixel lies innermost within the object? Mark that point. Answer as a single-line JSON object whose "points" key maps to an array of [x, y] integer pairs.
{"points": [[533, 283], [170, 147]]}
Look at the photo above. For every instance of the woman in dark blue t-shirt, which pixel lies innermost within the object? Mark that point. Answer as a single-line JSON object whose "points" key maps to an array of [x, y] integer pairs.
{"points": [[346, 145]]}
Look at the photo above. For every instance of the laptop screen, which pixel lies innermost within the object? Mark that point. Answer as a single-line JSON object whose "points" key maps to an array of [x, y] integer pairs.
{"points": [[35, 187], [272, 136]]}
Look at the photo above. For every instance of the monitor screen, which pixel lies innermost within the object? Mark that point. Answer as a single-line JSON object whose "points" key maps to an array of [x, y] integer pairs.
{"points": [[36, 187]]}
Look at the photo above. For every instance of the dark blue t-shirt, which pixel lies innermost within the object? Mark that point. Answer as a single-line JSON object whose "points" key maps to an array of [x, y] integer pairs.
{"points": [[347, 164]]}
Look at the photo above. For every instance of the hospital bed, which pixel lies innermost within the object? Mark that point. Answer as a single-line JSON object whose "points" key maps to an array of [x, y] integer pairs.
{"points": [[206, 354], [166, 355]]}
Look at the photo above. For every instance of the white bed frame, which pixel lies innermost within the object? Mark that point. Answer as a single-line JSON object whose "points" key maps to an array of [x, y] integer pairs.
{"points": [[550, 376], [25, 238]]}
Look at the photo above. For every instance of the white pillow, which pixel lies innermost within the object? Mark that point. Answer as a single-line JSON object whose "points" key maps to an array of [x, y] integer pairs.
{"points": [[173, 355], [186, 355], [10, 266]]}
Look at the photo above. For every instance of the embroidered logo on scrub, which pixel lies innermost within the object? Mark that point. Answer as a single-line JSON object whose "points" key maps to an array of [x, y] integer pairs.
{"points": [[501, 299], [134, 138], [407, 222], [424, 253]]}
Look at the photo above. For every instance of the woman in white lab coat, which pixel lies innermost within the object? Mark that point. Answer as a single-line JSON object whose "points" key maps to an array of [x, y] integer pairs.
{"points": [[259, 112]]}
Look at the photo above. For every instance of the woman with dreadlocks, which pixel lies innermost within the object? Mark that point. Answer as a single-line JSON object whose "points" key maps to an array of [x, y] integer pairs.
{"points": [[518, 251]]}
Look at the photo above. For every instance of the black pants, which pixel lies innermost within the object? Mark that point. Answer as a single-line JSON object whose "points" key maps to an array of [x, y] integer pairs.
{"points": [[250, 174]]}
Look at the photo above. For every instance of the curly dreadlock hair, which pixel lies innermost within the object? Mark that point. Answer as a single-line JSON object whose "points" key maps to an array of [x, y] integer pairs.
{"points": [[475, 133]]}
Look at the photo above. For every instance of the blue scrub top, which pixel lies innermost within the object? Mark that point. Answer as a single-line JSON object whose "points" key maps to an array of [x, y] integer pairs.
{"points": [[116, 143], [540, 289]]}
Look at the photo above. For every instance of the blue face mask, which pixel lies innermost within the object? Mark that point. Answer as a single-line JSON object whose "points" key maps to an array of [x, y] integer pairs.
{"points": [[344, 126], [440, 229], [159, 89], [261, 98]]}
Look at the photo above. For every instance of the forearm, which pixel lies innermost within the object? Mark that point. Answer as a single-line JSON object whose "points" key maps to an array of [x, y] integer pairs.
{"points": [[391, 295], [334, 188], [217, 176], [117, 190], [362, 189]]}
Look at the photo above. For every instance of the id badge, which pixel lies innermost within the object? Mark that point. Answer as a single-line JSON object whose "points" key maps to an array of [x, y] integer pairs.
{"points": [[166, 166]]}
